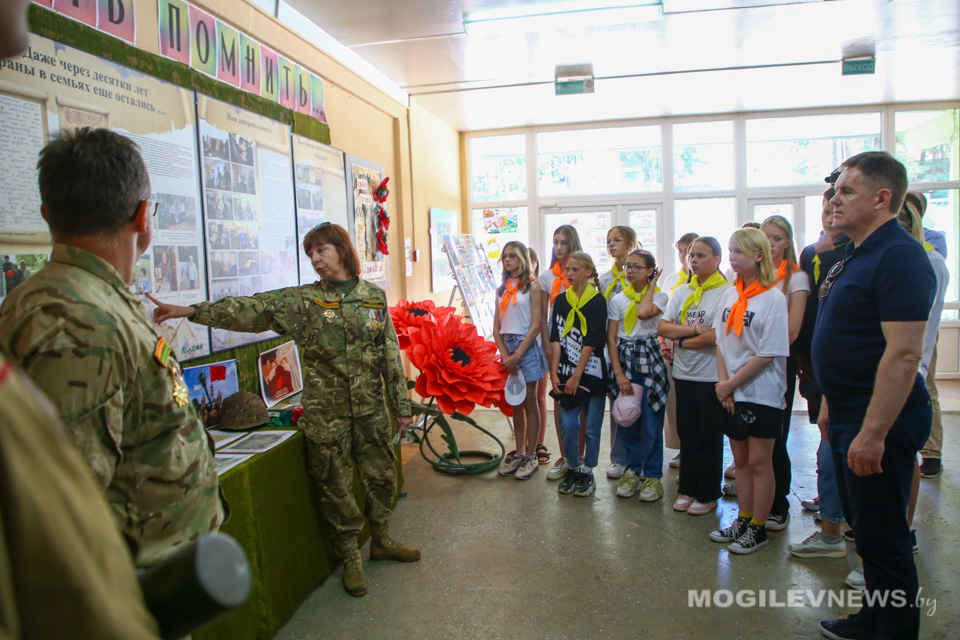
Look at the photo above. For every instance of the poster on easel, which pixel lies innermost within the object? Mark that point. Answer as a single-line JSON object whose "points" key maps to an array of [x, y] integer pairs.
{"points": [[474, 278]]}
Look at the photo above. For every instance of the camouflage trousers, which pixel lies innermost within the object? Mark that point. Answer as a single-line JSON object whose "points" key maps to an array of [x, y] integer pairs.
{"points": [[334, 450]]}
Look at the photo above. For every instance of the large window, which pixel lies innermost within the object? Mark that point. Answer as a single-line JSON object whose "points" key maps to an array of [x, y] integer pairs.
{"points": [[498, 168], [599, 161], [716, 217], [928, 143], [703, 156], [803, 150], [943, 215]]}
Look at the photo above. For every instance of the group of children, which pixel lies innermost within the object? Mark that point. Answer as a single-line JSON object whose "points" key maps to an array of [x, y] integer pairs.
{"points": [[717, 346], [717, 352]]}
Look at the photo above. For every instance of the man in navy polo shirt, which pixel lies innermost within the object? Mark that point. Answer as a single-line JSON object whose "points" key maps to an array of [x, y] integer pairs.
{"points": [[876, 413]]}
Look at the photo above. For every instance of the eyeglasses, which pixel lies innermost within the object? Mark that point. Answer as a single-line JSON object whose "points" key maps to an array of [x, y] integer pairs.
{"points": [[634, 267], [133, 218], [827, 283]]}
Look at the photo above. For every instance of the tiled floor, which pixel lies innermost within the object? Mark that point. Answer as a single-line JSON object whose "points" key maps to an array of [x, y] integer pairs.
{"points": [[509, 559]]}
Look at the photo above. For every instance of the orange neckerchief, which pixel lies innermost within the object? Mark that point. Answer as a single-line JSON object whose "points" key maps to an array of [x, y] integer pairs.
{"points": [[561, 279], [739, 308], [509, 295], [782, 271]]}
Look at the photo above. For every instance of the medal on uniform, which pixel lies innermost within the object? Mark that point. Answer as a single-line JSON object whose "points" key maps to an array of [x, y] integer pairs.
{"points": [[180, 394], [162, 352], [329, 313]]}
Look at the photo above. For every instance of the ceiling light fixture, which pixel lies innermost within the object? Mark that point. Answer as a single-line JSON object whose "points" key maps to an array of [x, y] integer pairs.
{"points": [[560, 15]]}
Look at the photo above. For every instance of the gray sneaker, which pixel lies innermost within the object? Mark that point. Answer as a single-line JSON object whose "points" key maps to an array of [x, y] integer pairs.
{"points": [[855, 579], [509, 467], [816, 547], [528, 467], [730, 488]]}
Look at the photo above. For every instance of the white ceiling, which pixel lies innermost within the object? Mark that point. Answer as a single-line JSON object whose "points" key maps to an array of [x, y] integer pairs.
{"points": [[690, 63]]}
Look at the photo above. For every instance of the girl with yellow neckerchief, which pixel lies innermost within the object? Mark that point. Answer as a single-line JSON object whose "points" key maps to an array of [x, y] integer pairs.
{"points": [[578, 370], [635, 357], [621, 240], [553, 282], [515, 330], [688, 321], [794, 284], [752, 349]]}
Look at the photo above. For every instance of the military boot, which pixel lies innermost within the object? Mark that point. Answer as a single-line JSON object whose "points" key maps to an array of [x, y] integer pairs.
{"points": [[353, 580], [383, 547]]}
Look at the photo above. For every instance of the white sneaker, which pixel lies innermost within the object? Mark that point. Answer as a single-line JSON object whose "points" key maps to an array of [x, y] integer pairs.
{"points": [[559, 470], [509, 467], [675, 463], [616, 470], [628, 484], [730, 472], [529, 467], [651, 490], [730, 488], [855, 579], [816, 547]]}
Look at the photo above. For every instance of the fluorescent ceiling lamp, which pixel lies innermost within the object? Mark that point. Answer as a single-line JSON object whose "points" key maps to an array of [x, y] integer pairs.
{"points": [[694, 6], [560, 15]]}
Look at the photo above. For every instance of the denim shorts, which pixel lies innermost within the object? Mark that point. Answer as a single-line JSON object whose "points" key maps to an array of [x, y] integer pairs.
{"points": [[531, 361]]}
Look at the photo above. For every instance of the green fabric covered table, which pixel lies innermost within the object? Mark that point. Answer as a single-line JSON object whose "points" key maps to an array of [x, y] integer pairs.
{"points": [[274, 517]]}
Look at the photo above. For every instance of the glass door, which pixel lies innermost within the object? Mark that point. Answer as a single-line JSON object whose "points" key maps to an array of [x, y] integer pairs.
{"points": [[793, 209]]}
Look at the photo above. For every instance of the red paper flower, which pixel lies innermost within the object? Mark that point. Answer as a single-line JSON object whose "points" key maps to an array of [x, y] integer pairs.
{"points": [[410, 315], [458, 367]]}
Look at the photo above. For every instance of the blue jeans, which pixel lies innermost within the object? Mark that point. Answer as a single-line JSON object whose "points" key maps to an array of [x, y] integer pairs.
{"points": [[827, 488], [570, 429], [643, 441], [618, 450], [877, 505]]}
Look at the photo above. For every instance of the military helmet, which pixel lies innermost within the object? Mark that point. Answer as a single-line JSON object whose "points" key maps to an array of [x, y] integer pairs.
{"points": [[242, 410]]}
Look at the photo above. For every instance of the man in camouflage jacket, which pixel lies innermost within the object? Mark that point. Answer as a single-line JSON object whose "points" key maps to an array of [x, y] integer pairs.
{"points": [[84, 339]]}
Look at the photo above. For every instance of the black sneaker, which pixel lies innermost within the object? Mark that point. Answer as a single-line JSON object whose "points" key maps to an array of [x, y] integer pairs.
{"points": [[731, 533], [848, 628], [584, 486], [570, 479], [777, 522], [753, 539], [930, 468], [848, 535]]}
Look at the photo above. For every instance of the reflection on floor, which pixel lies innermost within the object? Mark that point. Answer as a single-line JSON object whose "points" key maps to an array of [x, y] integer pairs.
{"points": [[509, 559]]}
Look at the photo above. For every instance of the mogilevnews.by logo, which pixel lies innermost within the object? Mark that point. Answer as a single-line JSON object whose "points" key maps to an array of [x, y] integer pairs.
{"points": [[792, 598]]}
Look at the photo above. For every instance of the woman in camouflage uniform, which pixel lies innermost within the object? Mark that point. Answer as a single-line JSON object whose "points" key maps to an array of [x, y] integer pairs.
{"points": [[350, 351]]}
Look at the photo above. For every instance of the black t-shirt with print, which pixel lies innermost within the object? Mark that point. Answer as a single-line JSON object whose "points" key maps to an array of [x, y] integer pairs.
{"points": [[571, 345]]}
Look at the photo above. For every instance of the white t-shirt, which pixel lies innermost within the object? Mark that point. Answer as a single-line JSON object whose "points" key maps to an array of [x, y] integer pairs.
{"points": [[617, 308], [669, 282], [799, 281], [698, 365], [516, 319], [605, 279], [766, 333], [546, 285], [939, 265]]}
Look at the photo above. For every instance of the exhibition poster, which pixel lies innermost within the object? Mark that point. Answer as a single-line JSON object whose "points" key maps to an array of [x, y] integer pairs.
{"points": [[52, 88], [248, 207]]}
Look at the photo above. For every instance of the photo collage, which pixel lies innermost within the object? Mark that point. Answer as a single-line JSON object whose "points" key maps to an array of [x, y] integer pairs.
{"points": [[475, 279]]}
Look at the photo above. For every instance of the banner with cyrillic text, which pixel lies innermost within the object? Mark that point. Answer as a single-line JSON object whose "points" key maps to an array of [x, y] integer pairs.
{"points": [[197, 39], [115, 17]]}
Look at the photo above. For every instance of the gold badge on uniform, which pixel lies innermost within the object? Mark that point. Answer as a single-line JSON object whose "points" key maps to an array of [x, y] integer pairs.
{"points": [[329, 313]]}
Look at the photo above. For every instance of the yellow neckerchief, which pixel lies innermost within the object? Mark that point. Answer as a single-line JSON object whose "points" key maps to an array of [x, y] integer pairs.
{"points": [[575, 305], [739, 308], [927, 246], [618, 276], [561, 279], [510, 294], [630, 318], [693, 300], [816, 261], [680, 281]]}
